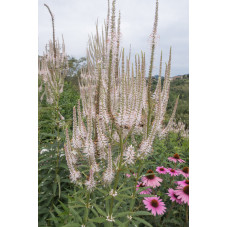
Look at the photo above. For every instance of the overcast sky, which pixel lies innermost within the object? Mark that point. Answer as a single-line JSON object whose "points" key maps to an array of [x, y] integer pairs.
{"points": [[76, 19]]}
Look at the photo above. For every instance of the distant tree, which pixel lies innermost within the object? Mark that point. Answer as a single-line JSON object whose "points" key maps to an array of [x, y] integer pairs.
{"points": [[75, 65]]}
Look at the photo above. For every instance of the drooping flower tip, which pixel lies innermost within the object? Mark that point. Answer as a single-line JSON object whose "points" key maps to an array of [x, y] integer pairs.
{"points": [[183, 193], [173, 197], [183, 183], [184, 172], [142, 185]]}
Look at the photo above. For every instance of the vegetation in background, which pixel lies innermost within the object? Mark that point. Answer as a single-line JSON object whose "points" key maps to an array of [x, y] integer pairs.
{"points": [[108, 144], [179, 86]]}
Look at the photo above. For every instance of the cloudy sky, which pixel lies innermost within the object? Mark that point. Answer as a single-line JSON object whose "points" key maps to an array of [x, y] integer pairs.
{"points": [[76, 19]]}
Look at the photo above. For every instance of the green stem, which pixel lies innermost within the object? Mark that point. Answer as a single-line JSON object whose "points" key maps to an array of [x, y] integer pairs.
{"points": [[87, 210], [186, 215], [118, 173], [168, 213], [132, 203], [58, 134]]}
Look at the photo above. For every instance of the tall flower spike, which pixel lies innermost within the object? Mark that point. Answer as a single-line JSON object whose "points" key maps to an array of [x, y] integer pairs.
{"points": [[90, 183], [71, 160], [109, 173], [102, 141], [129, 155], [117, 101], [76, 139], [53, 67]]}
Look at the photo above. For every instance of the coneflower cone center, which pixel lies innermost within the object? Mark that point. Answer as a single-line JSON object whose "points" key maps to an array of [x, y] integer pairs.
{"points": [[176, 156], [154, 203], [172, 170], [152, 176], [161, 169], [176, 196], [187, 181], [141, 185], [186, 190], [185, 170]]}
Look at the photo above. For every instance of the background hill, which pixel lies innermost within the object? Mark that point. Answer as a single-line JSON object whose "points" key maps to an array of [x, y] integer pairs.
{"points": [[179, 86]]}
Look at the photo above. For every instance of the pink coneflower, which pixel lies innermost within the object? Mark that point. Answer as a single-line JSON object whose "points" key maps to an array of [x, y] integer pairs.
{"points": [[161, 170], [184, 172], [154, 204], [172, 172], [175, 158], [173, 196], [182, 183], [141, 185], [183, 193], [151, 180]]}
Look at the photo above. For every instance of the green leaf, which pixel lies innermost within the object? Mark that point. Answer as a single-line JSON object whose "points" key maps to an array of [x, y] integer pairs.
{"points": [[76, 215], [59, 185], [57, 211], [138, 213], [94, 212], [102, 191], [103, 213], [142, 221], [72, 225], [108, 197], [64, 206], [146, 195], [54, 218], [123, 214], [63, 165], [117, 205], [54, 188], [98, 220], [119, 223], [142, 189], [125, 189]]}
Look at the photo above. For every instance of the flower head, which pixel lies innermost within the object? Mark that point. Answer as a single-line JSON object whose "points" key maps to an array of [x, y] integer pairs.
{"points": [[90, 183], [161, 170], [183, 193], [151, 180], [154, 204], [129, 155], [176, 158], [141, 185], [184, 172], [110, 218], [183, 183], [173, 197], [172, 172]]}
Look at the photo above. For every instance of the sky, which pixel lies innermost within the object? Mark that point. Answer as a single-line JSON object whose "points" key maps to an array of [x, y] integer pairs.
{"points": [[76, 19]]}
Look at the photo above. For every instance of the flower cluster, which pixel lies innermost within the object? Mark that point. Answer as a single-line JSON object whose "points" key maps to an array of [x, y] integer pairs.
{"points": [[150, 181], [53, 68], [117, 106]]}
